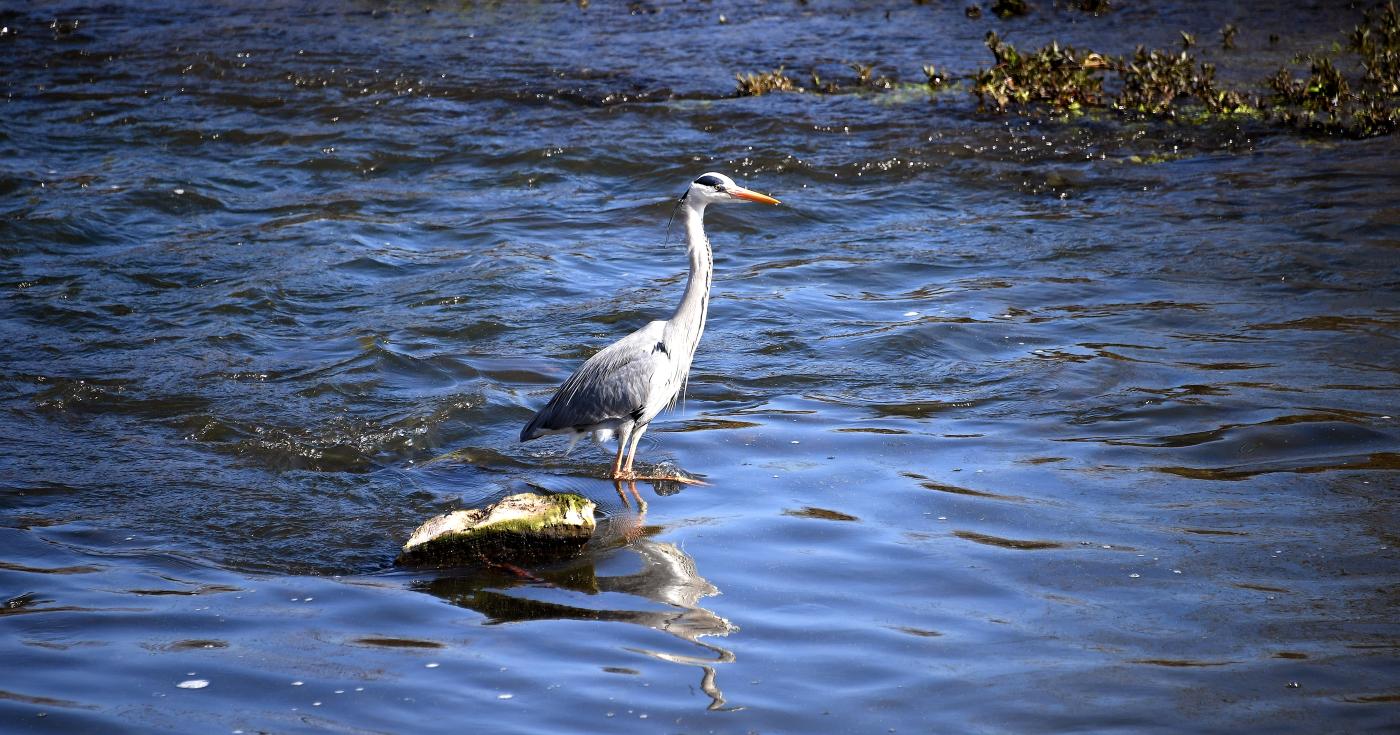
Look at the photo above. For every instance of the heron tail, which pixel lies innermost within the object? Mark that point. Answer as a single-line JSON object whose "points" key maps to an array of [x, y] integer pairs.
{"points": [[531, 430]]}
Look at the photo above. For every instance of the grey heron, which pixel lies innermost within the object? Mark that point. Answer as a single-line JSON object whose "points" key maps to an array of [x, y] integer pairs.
{"points": [[619, 390]]}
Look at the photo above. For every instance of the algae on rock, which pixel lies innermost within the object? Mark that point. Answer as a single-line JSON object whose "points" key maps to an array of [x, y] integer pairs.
{"points": [[525, 526]]}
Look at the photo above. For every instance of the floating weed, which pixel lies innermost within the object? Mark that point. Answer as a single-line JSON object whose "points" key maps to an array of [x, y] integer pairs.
{"points": [[1062, 78], [863, 72], [1323, 90], [936, 79], [1159, 83], [1325, 102], [1155, 158], [1010, 8], [760, 83], [908, 92], [821, 86], [1095, 7], [1153, 81], [1377, 41], [865, 79]]}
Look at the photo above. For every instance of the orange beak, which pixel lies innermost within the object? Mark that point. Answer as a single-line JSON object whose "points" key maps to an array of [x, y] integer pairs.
{"points": [[753, 196]]}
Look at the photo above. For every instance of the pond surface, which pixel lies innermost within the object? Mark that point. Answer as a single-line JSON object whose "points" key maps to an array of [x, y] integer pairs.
{"points": [[1010, 425]]}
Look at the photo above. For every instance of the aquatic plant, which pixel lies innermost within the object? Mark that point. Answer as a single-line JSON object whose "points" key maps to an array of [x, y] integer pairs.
{"points": [[1153, 81], [1095, 7], [1010, 8], [1062, 78], [1325, 101], [821, 86], [1227, 36], [935, 78], [760, 83], [1059, 77], [755, 84], [1161, 83], [1324, 90], [1377, 41], [864, 78], [1216, 99]]}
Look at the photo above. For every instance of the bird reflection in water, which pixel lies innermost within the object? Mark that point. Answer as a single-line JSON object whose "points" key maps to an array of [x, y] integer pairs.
{"points": [[667, 577], [632, 529]]}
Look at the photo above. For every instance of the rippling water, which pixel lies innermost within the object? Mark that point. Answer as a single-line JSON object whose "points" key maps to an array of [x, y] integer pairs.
{"points": [[1005, 429]]}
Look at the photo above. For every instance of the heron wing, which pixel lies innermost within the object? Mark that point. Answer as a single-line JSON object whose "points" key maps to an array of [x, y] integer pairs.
{"points": [[612, 385]]}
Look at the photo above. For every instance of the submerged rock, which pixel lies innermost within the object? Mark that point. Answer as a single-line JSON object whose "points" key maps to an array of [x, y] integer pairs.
{"points": [[526, 526]]}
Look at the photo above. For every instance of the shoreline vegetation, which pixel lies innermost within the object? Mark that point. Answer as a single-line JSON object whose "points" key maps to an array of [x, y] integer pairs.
{"points": [[1353, 91]]}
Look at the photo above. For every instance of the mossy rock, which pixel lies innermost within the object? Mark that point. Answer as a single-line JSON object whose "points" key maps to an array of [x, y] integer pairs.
{"points": [[526, 527]]}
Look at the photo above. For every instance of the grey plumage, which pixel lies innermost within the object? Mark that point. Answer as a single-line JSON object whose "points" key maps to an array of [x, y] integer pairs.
{"points": [[611, 387], [619, 390]]}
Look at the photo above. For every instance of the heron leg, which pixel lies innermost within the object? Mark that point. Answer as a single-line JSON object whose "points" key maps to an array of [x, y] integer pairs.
{"points": [[629, 474], [632, 450], [617, 461]]}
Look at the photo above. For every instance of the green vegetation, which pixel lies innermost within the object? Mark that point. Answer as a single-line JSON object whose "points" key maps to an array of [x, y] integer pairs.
{"points": [[819, 85], [1096, 7], [1155, 81], [1377, 41], [1326, 102], [936, 79], [1010, 8], [1062, 78], [865, 80], [753, 85], [1160, 83]]}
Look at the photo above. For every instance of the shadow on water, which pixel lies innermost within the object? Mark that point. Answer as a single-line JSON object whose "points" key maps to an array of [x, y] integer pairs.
{"points": [[667, 577]]}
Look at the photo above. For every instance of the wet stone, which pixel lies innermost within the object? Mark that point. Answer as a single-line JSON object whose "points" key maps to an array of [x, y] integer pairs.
{"points": [[526, 527]]}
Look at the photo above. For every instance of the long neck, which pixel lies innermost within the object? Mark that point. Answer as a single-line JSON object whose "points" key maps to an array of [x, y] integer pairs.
{"points": [[689, 319]]}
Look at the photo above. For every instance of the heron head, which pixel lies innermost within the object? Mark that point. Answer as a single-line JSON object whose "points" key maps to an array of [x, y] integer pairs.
{"points": [[713, 188]]}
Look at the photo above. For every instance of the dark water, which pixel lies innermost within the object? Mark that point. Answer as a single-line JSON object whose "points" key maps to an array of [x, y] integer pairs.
{"points": [[1005, 430]]}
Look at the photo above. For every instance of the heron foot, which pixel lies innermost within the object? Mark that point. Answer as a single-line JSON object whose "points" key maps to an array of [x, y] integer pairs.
{"points": [[660, 477]]}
